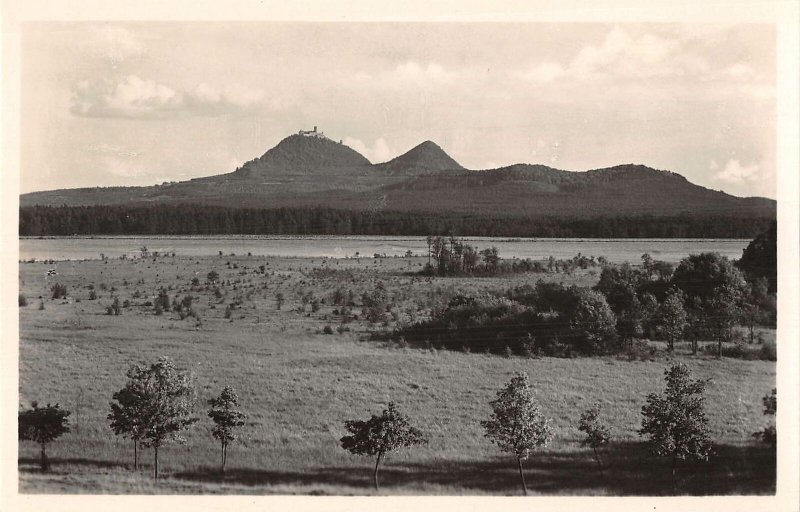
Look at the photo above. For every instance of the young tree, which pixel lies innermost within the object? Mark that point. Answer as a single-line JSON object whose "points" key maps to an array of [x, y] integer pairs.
{"points": [[43, 425], [227, 419], [162, 406], [128, 413], [380, 435], [597, 434], [675, 421], [279, 299], [672, 317], [725, 312], [517, 425]]}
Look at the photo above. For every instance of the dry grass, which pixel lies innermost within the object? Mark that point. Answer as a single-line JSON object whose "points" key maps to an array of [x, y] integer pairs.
{"points": [[298, 386]]}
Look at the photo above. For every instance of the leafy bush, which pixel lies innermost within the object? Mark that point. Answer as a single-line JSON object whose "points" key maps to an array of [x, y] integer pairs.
{"points": [[114, 308], [374, 303], [741, 350], [768, 434], [59, 290], [548, 319], [23, 301]]}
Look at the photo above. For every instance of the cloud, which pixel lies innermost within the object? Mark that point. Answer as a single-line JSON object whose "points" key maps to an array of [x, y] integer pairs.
{"points": [[379, 152], [115, 44], [740, 71], [112, 150], [544, 72], [621, 55], [409, 74], [137, 98], [735, 172]]}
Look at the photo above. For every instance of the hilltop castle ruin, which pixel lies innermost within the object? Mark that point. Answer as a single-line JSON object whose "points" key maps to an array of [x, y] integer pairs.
{"points": [[313, 133]]}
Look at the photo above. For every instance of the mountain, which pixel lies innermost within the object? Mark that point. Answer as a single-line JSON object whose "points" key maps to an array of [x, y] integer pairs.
{"points": [[301, 154], [423, 158], [308, 170]]}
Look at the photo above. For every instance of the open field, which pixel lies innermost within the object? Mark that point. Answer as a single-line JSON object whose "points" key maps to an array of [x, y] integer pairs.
{"points": [[298, 386]]}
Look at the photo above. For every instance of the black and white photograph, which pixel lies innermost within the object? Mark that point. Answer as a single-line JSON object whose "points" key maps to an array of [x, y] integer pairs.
{"points": [[336, 255]]}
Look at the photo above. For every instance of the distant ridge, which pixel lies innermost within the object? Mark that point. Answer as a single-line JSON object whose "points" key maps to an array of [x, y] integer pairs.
{"points": [[309, 170]]}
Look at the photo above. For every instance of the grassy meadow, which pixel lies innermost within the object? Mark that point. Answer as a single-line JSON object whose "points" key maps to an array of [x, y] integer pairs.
{"points": [[298, 386]]}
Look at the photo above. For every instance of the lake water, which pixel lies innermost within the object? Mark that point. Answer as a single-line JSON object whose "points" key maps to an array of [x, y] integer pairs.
{"points": [[617, 250]]}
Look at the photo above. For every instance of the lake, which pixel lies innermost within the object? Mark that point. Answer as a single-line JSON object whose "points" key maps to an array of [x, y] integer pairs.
{"points": [[617, 250]]}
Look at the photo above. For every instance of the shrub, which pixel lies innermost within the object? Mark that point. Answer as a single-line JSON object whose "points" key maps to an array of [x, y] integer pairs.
{"points": [[768, 352], [162, 301], [768, 434], [92, 295], [23, 301], [327, 329], [59, 290]]}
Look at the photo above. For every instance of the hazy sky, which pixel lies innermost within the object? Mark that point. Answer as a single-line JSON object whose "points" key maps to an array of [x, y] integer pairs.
{"points": [[143, 103]]}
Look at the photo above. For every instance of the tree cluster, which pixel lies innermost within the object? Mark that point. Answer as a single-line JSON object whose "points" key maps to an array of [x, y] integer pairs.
{"points": [[157, 404]]}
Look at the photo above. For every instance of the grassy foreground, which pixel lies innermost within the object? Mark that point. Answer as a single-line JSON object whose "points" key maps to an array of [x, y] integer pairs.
{"points": [[298, 386]]}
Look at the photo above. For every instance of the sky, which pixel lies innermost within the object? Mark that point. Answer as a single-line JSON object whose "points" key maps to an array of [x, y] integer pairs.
{"points": [[107, 104]]}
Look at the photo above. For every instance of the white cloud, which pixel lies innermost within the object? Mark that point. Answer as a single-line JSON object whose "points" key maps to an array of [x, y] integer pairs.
{"points": [[740, 71], [134, 97], [113, 150], [377, 153], [621, 55], [408, 74], [115, 44], [123, 167], [544, 72], [735, 172]]}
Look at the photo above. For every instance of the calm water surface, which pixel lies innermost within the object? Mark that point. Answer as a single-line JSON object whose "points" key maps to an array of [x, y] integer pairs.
{"points": [[617, 250]]}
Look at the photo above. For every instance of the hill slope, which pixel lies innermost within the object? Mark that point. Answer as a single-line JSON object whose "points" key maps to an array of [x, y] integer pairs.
{"points": [[304, 171], [301, 154], [425, 157]]}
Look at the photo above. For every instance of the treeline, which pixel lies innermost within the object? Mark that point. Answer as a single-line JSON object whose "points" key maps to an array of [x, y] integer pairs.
{"points": [[192, 219]]}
